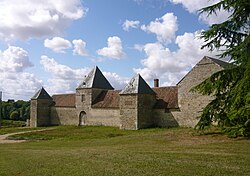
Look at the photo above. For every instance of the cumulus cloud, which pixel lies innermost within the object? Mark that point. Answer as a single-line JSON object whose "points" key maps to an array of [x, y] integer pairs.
{"points": [[80, 47], [37, 19], [130, 24], [14, 59], [114, 49], [170, 66], [195, 5], [219, 17], [65, 79], [117, 81], [164, 27], [15, 82], [61, 71], [57, 44]]}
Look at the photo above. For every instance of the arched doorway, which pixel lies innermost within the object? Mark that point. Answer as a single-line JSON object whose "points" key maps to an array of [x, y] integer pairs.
{"points": [[82, 118]]}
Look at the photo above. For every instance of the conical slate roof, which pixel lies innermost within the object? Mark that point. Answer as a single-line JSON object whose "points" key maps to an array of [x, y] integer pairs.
{"points": [[41, 94], [137, 85], [95, 79]]}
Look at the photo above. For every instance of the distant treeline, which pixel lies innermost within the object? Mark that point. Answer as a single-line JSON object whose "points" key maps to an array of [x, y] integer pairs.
{"points": [[11, 110]]}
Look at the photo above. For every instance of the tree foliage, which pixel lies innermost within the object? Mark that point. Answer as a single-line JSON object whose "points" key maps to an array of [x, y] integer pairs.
{"points": [[18, 110], [230, 87]]}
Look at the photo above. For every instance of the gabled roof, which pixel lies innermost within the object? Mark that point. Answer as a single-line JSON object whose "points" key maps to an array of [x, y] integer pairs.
{"points": [[42, 94], [218, 62], [95, 79], [107, 99], [137, 85], [64, 100], [166, 97]]}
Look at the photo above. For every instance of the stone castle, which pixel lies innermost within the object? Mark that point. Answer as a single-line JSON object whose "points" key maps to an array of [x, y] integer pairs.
{"points": [[135, 107]]}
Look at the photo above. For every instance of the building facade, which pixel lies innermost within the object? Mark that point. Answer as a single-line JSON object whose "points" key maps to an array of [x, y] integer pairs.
{"points": [[137, 106]]}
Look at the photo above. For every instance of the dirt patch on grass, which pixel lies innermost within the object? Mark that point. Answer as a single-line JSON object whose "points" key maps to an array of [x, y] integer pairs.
{"points": [[4, 138]]}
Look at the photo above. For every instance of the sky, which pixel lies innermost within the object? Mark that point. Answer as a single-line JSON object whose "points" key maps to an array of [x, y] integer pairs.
{"points": [[55, 43]]}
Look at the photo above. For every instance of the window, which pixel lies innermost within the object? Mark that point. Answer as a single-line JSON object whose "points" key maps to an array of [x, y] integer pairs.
{"points": [[83, 98]]}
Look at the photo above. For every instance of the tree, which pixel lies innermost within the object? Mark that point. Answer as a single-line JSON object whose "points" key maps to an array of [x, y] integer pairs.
{"points": [[14, 115], [231, 87]]}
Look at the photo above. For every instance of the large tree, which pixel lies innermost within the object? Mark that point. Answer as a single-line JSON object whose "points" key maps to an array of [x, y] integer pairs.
{"points": [[230, 87]]}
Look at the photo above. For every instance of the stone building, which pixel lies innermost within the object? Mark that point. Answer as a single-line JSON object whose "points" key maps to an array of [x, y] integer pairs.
{"points": [[136, 106]]}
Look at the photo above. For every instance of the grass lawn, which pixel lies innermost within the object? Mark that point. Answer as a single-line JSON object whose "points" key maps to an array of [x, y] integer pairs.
{"points": [[69, 150]]}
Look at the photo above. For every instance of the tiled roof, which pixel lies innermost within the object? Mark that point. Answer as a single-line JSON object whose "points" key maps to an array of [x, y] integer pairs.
{"points": [[137, 85], [167, 97], [95, 79], [64, 100], [41, 94], [107, 99]]}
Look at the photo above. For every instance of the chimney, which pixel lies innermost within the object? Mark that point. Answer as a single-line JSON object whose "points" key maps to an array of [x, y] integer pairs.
{"points": [[156, 82]]}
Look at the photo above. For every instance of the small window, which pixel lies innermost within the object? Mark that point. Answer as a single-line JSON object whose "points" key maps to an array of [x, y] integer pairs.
{"points": [[83, 98]]}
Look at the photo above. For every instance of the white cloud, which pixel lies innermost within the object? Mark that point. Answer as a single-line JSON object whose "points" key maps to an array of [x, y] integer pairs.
{"points": [[80, 47], [57, 44], [170, 66], [117, 81], [65, 79], [15, 83], [35, 19], [195, 5], [61, 71], [219, 17], [130, 24], [114, 49], [138, 47], [14, 59], [164, 27]]}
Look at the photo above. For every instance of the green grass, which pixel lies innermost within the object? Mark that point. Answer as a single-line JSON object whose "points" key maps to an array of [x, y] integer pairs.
{"points": [[69, 150]]}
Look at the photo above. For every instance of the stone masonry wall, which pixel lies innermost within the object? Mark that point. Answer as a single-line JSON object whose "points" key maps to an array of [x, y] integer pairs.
{"points": [[103, 116], [63, 116], [84, 99], [164, 118], [191, 104], [128, 112], [145, 107], [33, 113], [40, 112]]}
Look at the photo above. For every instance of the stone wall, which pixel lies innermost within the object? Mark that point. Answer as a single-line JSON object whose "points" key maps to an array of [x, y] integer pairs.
{"points": [[84, 100], [190, 103], [164, 118], [63, 116], [145, 107], [40, 112], [129, 112], [33, 113], [103, 116]]}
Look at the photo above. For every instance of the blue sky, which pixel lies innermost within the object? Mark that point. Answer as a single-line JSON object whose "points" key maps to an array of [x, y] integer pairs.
{"points": [[55, 43]]}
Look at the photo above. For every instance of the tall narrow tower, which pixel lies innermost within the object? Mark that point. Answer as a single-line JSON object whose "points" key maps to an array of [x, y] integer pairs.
{"points": [[136, 103], [40, 109], [86, 93]]}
